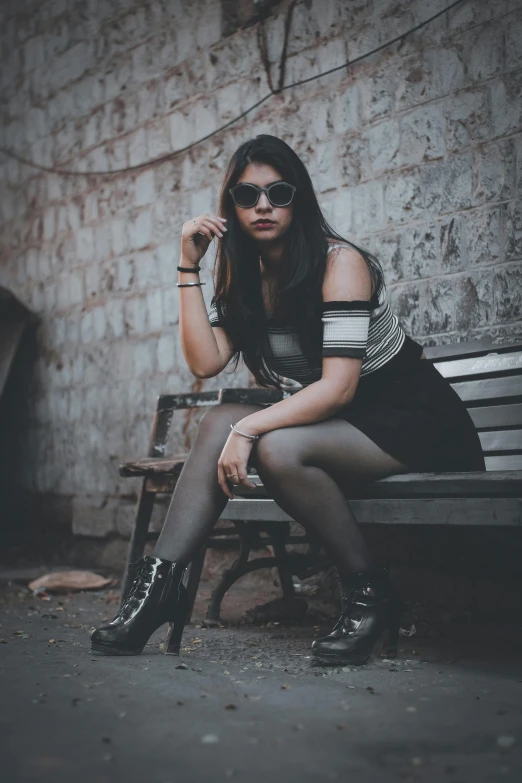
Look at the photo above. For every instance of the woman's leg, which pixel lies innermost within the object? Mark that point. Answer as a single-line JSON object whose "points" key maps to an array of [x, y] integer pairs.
{"points": [[303, 467], [198, 500]]}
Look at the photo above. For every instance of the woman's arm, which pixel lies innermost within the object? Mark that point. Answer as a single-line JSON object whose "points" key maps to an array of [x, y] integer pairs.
{"points": [[207, 351], [346, 278]]}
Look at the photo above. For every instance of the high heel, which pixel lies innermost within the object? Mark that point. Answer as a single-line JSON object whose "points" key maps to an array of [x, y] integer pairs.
{"points": [[371, 609], [175, 632], [156, 596]]}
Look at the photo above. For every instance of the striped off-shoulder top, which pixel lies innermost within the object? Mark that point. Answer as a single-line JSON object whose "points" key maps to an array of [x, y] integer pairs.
{"points": [[366, 330]]}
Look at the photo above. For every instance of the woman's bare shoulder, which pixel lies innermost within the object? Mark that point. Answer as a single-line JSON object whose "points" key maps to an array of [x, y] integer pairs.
{"points": [[342, 249]]}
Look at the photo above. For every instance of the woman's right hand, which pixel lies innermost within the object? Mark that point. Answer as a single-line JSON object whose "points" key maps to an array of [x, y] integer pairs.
{"points": [[197, 234]]}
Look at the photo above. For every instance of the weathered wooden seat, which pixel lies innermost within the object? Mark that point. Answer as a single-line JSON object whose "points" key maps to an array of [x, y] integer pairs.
{"points": [[487, 377], [151, 466]]}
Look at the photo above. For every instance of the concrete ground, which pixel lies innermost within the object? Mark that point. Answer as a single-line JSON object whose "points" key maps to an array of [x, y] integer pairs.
{"points": [[244, 702]]}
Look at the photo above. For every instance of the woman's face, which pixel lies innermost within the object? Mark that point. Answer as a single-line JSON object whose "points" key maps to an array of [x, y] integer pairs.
{"points": [[262, 174]]}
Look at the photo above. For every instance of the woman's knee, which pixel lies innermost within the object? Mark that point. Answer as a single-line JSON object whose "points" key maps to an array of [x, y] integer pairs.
{"points": [[277, 451], [220, 417]]}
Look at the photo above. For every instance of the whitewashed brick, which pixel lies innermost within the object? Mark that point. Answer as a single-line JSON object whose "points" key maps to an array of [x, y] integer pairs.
{"points": [[33, 54], [144, 359], [76, 291], [99, 323], [124, 278], [117, 79], [145, 270], [97, 161], [71, 65], [383, 145], [30, 269], [120, 239], [506, 104], [87, 327], [167, 353], [13, 172], [171, 305], [136, 315], [182, 130], [85, 247], [90, 208], [91, 130], [140, 230], [422, 133], [137, 147], [155, 309], [115, 318], [44, 263], [158, 139], [145, 188], [77, 370], [201, 201], [367, 207], [49, 223], [103, 241], [92, 280], [49, 296], [494, 166], [485, 51], [62, 220], [168, 257], [467, 117]]}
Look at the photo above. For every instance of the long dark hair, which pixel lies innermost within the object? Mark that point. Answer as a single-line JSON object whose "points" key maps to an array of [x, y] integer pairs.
{"points": [[237, 275]]}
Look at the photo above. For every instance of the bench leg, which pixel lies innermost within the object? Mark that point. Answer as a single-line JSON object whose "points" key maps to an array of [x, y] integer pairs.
{"points": [[138, 537], [279, 535], [192, 580], [241, 566]]}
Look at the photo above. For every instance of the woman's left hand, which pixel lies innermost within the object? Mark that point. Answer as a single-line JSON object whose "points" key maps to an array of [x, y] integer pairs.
{"points": [[234, 460]]}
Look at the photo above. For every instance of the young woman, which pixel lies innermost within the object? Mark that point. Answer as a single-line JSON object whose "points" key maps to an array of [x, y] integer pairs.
{"points": [[293, 298]]}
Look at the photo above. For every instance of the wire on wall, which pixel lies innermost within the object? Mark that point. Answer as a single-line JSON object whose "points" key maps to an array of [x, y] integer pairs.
{"points": [[262, 43]]}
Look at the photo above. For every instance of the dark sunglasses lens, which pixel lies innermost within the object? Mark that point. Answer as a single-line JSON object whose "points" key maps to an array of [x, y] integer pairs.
{"points": [[280, 195], [245, 195]]}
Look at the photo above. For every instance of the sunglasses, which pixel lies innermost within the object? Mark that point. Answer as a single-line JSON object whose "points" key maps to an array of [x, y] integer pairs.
{"points": [[279, 194]]}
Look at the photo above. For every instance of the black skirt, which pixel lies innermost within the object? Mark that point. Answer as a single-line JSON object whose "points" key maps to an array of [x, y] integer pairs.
{"points": [[412, 413]]}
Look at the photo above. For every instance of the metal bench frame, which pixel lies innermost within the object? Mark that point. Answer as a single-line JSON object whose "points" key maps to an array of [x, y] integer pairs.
{"points": [[488, 378]]}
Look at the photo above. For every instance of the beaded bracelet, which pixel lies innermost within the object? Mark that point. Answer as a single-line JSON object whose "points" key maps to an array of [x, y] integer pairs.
{"points": [[183, 285], [188, 268], [250, 437]]}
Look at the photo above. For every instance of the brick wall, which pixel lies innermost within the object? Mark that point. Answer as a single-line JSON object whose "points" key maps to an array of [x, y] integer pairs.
{"points": [[415, 152]]}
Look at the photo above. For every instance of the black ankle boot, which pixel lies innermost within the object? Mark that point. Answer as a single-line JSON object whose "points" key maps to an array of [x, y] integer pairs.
{"points": [[370, 609], [156, 596]]}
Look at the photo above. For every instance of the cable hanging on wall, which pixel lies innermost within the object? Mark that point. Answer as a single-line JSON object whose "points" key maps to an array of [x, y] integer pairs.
{"points": [[262, 43]]}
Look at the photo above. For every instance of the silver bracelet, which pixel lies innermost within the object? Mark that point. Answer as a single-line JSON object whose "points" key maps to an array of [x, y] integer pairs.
{"points": [[184, 285], [250, 437]]}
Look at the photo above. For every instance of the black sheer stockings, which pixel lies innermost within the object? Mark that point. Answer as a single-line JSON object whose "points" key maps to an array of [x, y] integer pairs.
{"points": [[303, 468]]}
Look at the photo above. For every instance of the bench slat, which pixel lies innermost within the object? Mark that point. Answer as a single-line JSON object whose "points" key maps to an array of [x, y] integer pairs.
{"points": [[506, 483], [419, 511], [504, 462], [497, 416], [153, 466], [489, 388], [492, 363], [503, 440], [472, 348]]}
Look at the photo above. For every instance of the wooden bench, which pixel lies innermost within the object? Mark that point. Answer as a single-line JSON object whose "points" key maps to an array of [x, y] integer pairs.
{"points": [[488, 378]]}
